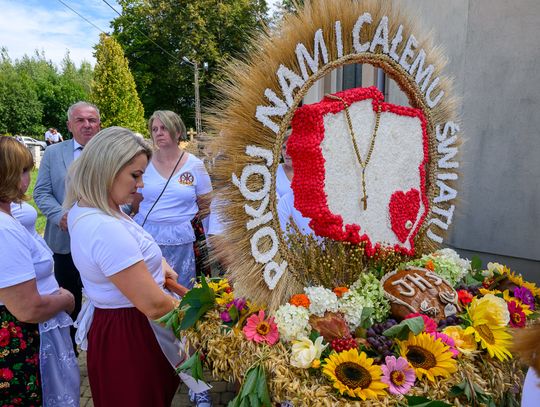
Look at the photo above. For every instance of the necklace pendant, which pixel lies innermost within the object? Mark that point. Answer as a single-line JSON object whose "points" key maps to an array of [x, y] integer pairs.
{"points": [[364, 201]]}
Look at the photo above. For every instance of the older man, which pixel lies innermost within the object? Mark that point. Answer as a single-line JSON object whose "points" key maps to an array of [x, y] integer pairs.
{"points": [[83, 123]]}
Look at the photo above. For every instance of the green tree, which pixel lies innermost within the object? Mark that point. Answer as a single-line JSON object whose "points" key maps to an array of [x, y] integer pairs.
{"points": [[20, 108], [113, 88], [56, 91], [156, 34]]}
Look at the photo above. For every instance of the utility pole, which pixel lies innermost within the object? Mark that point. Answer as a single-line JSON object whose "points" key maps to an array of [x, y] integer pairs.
{"points": [[195, 65], [198, 122]]}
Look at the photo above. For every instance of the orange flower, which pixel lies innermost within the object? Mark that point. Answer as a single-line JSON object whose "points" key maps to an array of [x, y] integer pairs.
{"points": [[300, 300], [429, 265], [339, 291]]}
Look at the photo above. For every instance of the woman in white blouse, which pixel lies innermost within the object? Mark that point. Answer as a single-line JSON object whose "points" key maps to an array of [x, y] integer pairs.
{"points": [[130, 358], [176, 189]]}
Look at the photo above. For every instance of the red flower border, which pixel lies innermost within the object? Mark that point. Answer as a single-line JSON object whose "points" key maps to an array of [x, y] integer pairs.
{"points": [[304, 147]]}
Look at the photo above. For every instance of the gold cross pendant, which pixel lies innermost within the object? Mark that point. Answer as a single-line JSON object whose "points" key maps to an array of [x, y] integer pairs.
{"points": [[364, 200]]}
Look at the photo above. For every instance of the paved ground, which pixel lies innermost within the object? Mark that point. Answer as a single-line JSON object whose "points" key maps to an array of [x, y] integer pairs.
{"points": [[222, 392]]}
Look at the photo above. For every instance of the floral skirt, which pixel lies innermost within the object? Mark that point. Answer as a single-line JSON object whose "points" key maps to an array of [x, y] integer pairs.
{"points": [[19, 361]]}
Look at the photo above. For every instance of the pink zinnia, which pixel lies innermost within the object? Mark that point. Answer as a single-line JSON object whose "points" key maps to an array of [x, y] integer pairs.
{"points": [[518, 319], [447, 340], [260, 330], [430, 325], [398, 375]]}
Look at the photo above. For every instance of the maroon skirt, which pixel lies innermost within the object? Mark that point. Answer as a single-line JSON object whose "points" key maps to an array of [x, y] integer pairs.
{"points": [[126, 366]]}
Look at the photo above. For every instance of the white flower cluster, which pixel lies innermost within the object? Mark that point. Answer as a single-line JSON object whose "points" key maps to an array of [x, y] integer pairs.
{"points": [[368, 289], [292, 322], [452, 255], [322, 300], [351, 304]]}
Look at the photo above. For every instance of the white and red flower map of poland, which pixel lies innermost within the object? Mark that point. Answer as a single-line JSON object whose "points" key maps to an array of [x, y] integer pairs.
{"points": [[390, 207]]}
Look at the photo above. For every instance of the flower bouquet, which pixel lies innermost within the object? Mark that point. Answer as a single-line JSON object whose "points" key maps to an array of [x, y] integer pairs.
{"points": [[342, 345]]}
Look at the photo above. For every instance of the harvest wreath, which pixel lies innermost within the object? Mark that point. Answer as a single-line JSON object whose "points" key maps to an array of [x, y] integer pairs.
{"points": [[364, 309]]}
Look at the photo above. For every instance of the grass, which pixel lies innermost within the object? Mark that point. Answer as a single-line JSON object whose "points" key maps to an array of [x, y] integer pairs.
{"points": [[41, 219]]}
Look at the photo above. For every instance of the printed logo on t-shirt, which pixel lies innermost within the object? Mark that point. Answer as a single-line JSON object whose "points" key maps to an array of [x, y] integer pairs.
{"points": [[186, 178]]}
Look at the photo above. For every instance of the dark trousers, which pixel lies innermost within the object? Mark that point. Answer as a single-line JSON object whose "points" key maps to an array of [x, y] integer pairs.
{"points": [[68, 277]]}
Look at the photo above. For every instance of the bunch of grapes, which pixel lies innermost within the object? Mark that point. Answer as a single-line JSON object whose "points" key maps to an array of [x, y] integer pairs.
{"points": [[377, 340], [449, 321], [343, 344]]}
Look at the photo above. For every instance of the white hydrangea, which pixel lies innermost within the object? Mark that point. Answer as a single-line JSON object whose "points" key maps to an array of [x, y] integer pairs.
{"points": [[452, 255], [322, 300], [351, 304], [292, 322]]}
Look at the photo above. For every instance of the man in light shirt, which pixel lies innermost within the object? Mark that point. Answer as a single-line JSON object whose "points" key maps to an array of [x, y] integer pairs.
{"points": [[83, 123]]}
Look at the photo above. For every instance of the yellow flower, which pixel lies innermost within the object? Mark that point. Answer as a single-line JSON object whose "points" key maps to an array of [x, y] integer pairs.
{"points": [[219, 285], [355, 374], [488, 325], [485, 291], [464, 343], [316, 364], [225, 298], [492, 309], [428, 356]]}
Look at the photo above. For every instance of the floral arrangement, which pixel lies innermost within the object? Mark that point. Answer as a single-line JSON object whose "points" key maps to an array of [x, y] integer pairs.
{"points": [[333, 346]]}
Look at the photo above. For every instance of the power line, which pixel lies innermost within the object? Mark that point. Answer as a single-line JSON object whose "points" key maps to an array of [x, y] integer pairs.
{"points": [[84, 18], [144, 35]]}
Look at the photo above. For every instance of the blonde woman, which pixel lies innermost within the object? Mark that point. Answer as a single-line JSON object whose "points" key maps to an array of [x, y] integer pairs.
{"points": [[122, 271], [176, 189]]}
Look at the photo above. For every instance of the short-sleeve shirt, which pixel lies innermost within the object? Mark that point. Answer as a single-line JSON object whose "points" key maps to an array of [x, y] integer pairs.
{"points": [[103, 245], [169, 221], [24, 258], [286, 211]]}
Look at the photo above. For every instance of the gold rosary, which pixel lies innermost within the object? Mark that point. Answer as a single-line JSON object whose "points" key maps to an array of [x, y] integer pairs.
{"points": [[363, 164]]}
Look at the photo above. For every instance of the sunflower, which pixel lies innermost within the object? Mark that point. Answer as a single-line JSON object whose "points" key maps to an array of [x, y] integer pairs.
{"points": [[428, 356], [355, 374], [488, 325]]}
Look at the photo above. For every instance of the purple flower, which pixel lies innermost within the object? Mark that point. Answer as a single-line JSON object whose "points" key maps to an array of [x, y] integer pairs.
{"points": [[525, 296], [239, 303], [225, 317], [398, 375]]}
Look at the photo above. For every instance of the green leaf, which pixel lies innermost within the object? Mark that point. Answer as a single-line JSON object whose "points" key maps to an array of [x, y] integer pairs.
{"points": [[401, 330], [233, 312], [250, 382], [365, 318], [262, 388], [314, 335], [418, 401], [198, 301], [253, 400], [457, 390], [476, 263]]}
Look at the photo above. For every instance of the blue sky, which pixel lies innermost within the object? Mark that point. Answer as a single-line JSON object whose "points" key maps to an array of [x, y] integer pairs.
{"points": [[49, 26]]}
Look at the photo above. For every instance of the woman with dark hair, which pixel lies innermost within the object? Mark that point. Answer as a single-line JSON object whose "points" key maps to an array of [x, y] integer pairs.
{"points": [[37, 362]]}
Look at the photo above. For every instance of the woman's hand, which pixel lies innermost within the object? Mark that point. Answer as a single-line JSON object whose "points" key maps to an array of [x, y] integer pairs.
{"points": [[168, 271], [70, 306]]}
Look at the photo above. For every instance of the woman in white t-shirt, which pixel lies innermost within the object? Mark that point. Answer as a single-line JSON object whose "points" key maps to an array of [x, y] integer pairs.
{"points": [[37, 362], [285, 170], [176, 189], [130, 358]]}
